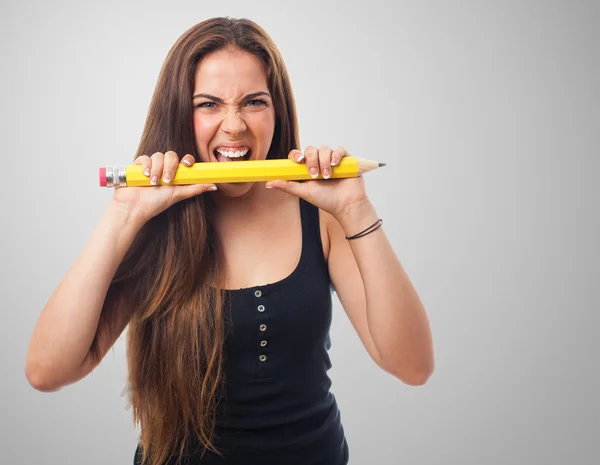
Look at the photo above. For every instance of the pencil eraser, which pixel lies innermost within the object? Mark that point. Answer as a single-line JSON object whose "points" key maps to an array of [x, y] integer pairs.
{"points": [[103, 177]]}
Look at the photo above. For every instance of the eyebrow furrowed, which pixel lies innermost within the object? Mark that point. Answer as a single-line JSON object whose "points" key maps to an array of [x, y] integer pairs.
{"points": [[220, 100]]}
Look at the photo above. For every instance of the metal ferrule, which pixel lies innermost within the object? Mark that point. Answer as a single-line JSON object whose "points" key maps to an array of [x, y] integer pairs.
{"points": [[109, 176], [116, 176], [122, 178]]}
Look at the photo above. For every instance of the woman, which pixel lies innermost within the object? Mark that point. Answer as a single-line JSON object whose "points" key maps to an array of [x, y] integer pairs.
{"points": [[226, 290]]}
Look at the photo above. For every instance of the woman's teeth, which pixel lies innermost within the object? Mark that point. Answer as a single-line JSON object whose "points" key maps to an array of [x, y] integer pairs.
{"points": [[232, 154]]}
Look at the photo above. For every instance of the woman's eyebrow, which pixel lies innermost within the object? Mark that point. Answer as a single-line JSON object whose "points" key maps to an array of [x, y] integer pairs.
{"points": [[220, 100]]}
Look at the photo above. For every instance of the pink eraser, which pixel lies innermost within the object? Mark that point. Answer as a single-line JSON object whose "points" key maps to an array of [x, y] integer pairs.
{"points": [[103, 177]]}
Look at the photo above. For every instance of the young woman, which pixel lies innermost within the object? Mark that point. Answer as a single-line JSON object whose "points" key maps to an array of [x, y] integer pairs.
{"points": [[226, 290]]}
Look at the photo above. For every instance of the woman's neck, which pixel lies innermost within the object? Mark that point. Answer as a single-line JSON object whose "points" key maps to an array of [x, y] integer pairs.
{"points": [[253, 209]]}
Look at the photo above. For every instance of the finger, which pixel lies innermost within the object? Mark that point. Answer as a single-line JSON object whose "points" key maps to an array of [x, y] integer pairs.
{"points": [[301, 189], [145, 161], [312, 161], [190, 190], [325, 161], [296, 155], [188, 160], [338, 154], [157, 167], [171, 162]]}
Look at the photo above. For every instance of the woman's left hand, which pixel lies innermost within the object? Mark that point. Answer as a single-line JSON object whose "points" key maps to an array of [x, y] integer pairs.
{"points": [[331, 195]]}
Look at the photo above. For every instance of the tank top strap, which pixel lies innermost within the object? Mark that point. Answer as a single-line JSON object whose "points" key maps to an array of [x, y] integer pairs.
{"points": [[311, 231]]}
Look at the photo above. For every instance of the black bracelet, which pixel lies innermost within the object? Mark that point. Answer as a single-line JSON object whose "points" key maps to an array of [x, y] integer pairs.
{"points": [[375, 226]]}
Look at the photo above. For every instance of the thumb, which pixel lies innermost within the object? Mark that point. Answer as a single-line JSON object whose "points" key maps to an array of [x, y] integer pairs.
{"points": [[190, 190], [301, 189]]}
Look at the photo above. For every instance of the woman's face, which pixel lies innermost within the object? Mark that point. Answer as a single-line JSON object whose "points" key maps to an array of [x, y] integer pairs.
{"points": [[234, 118]]}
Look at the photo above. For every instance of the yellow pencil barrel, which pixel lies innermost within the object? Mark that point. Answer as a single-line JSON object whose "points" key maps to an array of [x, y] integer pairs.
{"points": [[228, 172]]}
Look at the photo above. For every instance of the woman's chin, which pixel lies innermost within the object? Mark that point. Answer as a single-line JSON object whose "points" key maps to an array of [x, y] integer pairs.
{"points": [[234, 189]]}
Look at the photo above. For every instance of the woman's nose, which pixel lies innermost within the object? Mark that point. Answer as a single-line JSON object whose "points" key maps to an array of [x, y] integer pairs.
{"points": [[233, 123]]}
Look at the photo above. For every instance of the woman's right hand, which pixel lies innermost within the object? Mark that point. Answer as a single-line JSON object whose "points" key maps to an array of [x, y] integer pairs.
{"points": [[146, 202]]}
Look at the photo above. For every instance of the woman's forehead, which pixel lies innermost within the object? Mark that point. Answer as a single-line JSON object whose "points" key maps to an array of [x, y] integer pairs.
{"points": [[231, 73]]}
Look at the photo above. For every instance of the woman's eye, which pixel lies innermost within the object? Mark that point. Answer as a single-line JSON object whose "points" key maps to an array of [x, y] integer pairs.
{"points": [[250, 103], [256, 102]]}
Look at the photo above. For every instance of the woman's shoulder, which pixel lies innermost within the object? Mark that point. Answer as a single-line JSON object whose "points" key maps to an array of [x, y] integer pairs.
{"points": [[316, 216], [325, 226]]}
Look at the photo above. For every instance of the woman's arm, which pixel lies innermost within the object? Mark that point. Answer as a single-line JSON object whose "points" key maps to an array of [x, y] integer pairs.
{"points": [[66, 327], [378, 296]]}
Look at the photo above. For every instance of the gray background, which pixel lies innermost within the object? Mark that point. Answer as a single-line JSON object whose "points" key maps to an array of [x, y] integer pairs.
{"points": [[487, 115]]}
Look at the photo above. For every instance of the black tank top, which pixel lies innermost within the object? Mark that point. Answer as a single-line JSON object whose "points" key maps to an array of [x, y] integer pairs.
{"points": [[278, 407]]}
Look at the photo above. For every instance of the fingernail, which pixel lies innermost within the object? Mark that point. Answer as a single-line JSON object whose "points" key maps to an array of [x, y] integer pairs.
{"points": [[326, 173], [268, 186], [167, 178], [314, 172], [187, 162], [147, 172], [300, 158], [213, 188], [333, 162], [154, 180]]}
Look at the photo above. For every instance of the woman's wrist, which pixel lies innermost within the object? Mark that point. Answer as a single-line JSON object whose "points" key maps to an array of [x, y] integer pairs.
{"points": [[126, 215], [357, 217]]}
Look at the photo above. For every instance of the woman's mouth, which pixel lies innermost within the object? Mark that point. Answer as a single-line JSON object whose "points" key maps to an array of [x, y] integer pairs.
{"points": [[232, 154]]}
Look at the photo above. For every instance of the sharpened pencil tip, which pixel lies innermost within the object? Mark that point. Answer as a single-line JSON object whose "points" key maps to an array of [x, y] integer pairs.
{"points": [[381, 164]]}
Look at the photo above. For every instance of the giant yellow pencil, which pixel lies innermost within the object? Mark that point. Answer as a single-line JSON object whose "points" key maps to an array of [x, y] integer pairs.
{"points": [[234, 171]]}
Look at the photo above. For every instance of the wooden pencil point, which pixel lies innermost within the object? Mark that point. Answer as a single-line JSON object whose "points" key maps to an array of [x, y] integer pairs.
{"points": [[381, 164]]}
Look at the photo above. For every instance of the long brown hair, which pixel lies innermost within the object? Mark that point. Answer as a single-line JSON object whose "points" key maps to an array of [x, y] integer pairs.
{"points": [[173, 272]]}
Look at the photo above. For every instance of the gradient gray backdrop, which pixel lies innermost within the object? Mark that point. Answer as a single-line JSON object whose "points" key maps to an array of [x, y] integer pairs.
{"points": [[487, 115]]}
